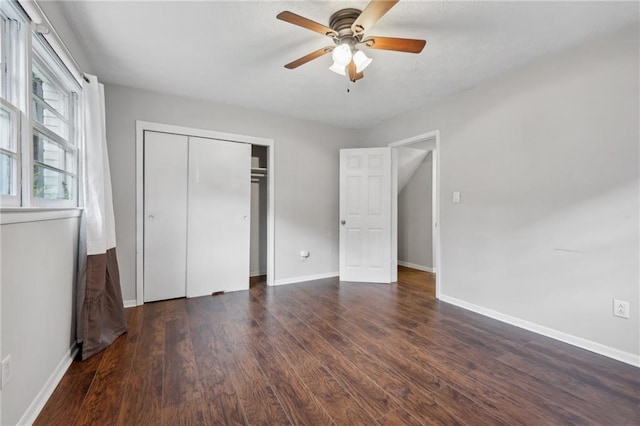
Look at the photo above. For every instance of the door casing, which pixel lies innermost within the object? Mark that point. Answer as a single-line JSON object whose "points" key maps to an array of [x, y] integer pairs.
{"points": [[434, 138]]}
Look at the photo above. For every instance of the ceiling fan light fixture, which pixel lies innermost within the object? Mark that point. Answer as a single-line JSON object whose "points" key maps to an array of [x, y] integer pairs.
{"points": [[361, 60], [338, 69], [342, 54]]}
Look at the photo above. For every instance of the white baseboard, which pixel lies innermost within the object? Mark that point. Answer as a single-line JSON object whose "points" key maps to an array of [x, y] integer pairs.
{"points": [[415, 266], [32, 412], [257, 273], [589, 345], [295, 280], [130, 303]]}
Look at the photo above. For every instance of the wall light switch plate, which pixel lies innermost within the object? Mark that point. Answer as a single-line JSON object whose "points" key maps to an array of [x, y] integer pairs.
{"points": [[456, 197]]}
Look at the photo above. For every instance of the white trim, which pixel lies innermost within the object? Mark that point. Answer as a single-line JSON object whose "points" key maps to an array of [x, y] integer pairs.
{"points": [[416, 266], [32, 412], [304, 278], [26, 214], [589, 345], [141, 127], [130, 303], [435, 225], [257, 273]]}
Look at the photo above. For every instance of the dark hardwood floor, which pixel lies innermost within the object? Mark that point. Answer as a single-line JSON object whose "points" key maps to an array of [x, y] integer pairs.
{"points": [[325, 352]]}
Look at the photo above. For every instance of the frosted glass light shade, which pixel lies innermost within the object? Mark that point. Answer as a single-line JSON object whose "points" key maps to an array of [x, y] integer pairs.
{"points": [[342, 54], [338, 69], [361, 60]]}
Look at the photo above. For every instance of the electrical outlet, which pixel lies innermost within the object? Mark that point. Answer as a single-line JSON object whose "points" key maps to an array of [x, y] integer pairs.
{"points": [[620, 308], [6, 371]]}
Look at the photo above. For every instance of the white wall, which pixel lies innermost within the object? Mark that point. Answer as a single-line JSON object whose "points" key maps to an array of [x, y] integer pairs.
{"points": [[414, 217], [38, 317], [306, 174], [546, 160]]}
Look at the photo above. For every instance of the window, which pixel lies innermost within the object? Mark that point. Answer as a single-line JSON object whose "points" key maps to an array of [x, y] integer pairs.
{"points": [[53, 105], [39, 131]]}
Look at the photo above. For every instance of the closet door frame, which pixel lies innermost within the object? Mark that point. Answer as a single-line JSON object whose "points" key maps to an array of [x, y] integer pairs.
{"points": [[141, 127]]}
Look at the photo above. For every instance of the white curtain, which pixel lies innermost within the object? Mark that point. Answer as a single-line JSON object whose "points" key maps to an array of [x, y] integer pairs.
{"points": [[99, 298]]}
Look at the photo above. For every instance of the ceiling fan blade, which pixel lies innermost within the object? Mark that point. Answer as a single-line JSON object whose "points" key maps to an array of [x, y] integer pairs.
{"points": [[409, 45], [300, 21], [370, 15], [310, 57], [353, 75]]}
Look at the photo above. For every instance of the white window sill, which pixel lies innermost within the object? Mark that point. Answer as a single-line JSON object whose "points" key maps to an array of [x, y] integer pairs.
{"points": [[9, 215]]}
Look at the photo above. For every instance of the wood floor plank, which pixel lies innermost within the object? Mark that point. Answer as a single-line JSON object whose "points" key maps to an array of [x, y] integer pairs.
{"points": [[399, 417], [188, 413], [146, 379], [181, 379], [330, 352]]}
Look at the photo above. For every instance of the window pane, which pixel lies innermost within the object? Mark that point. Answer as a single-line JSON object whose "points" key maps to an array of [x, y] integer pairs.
{"points": [[7, 172], [52, 185], [51, 93], [6, 141], [50, 153], [44, 115]]}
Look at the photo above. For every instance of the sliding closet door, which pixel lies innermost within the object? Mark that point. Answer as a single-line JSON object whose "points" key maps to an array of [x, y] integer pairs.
{"points": [[218, 232], [165, 215]]}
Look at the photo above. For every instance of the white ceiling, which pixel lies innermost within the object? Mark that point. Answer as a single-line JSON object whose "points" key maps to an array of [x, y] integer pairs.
{"points": [[234, 52]]}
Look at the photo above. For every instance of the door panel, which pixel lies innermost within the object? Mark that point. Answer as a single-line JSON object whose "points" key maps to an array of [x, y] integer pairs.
{"points": [[219, 216], [365, 214], [165, 215]]}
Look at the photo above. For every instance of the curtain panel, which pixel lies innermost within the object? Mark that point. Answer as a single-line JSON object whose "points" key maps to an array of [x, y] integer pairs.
{"points": [[101, 317]]}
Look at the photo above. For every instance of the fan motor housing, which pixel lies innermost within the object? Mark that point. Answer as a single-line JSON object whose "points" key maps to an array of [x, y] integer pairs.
{"points": [[341, 22]]}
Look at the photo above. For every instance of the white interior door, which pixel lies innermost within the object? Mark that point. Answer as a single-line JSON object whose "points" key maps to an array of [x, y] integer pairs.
{"points": [[165, 215], [365, 215], [218, 235]]}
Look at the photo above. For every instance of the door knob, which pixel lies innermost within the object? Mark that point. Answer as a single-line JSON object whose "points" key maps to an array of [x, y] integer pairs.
{"points": [[343, 222]]}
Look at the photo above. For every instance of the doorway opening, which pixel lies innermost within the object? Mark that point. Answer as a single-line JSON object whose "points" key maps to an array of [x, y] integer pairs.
{"points": [[415, 211]]}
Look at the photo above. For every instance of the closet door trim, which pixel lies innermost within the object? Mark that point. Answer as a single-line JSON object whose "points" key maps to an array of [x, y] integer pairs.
{"points": [[141, 127]]}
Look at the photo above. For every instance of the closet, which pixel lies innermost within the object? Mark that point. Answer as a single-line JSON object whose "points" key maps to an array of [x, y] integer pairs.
{"points": [[197, 216]]}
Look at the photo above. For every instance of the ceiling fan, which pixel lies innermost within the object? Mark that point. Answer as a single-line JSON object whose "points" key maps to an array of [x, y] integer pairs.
{"points": [[346, 29]]}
